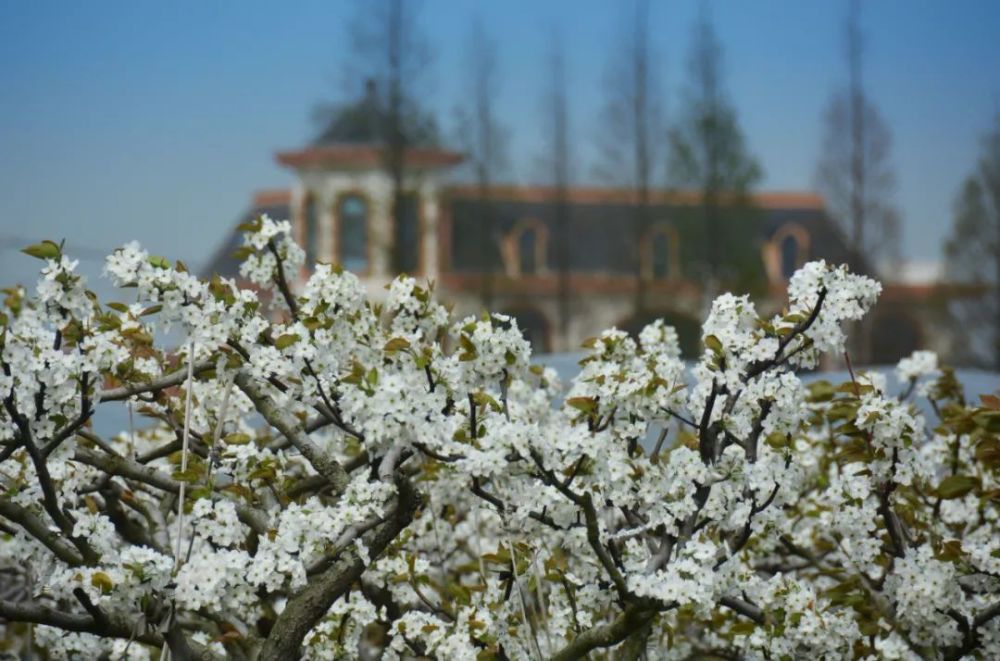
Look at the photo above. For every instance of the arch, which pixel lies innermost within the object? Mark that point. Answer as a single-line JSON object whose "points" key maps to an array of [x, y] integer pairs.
{"points": [[525, 248], [659, 253], [688, 329], [309, 228], [534, 326], [352, 232], [787, 250]]}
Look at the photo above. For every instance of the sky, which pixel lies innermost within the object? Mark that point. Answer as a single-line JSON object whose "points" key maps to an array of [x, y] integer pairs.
{"points": [[133, 119]]}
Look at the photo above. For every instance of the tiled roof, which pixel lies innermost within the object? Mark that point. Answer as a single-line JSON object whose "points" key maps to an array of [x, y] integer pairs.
{"points": [[276, 204], [363, 156], [594, 195]]}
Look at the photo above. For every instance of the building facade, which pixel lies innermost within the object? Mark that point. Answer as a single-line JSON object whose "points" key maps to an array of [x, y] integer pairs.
{"points": [[566, 264]]}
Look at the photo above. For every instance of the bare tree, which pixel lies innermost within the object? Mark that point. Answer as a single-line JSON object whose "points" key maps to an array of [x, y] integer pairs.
{"points": [[483, 139], [855, 172], [390, 50], [557, 160], [708, 152], [630, 135], [973, 256]]}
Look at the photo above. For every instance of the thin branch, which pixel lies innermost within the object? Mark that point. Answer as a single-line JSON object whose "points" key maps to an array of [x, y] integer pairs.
{"points": [[42, 531], [585, 503], [744, 608], [133, 470], [166, 381]]}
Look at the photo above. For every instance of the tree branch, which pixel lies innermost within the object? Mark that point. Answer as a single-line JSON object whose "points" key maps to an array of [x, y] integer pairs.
{"points": [[305, 608], [631, 620], [585, 503], [114, 627], [291, 429], [166, 381], [127, 468], [41, 531]]}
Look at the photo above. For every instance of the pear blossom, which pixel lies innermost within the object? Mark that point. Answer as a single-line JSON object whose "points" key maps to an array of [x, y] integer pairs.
{"points": [[308, 473]]}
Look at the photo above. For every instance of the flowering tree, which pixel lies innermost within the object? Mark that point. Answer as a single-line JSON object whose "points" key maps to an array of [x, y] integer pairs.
{"points": [[335, 477]]}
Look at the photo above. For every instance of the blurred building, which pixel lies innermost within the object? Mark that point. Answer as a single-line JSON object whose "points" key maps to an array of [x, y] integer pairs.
{"points": [[615, 267]]}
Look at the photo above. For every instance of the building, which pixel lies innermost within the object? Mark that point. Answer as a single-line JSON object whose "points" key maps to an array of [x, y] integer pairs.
{"points": [[502, 250]]}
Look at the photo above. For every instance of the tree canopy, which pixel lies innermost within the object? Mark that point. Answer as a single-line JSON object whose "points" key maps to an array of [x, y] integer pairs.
{"points": [[334, 477]]}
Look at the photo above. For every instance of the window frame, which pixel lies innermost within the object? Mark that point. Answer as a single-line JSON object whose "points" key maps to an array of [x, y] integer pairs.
{"points": [[647, 257], [512, 248], [338, 217], [773, 256]]}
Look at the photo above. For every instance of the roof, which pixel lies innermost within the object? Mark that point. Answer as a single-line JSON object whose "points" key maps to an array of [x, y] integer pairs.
{"points": [[365, 121], [353, 123], [344, 155], [593, 195], [274, 203]]}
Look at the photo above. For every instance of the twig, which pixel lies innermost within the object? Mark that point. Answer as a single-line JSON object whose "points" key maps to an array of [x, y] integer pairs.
{"points": [[184, 456]]}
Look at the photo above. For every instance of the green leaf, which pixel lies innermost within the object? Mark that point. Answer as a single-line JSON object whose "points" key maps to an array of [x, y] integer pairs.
{"points": [[713, 343], [102, 582], [396, 344], [237, 438], [242, 253], [468, 348], [821, 391], [250, 226], [957, 486], [584, 404], [191, 475], [159, 262], [951, 550], [988, 420], [43, 250], [287, 340], [988, 451]]}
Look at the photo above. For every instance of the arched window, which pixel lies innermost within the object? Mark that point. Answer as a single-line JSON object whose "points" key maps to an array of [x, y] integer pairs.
{"points": [[786, 251], [525, 248], [352, 233], [789, 256], [658, 253], [310, 229]]}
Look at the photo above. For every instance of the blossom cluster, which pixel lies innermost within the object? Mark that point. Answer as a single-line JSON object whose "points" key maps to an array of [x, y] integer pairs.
{"points": [[315, 472]]}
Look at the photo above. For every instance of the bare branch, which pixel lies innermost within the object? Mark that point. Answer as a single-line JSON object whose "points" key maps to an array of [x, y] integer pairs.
{"points": [[113, 627]]}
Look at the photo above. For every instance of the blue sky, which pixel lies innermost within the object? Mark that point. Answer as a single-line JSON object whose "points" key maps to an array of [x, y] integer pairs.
{"points": [[156, 121]]}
